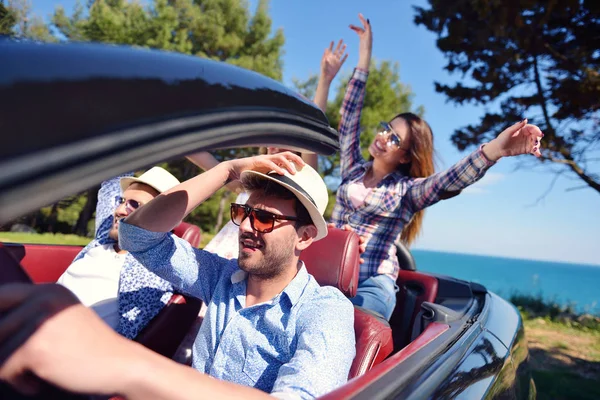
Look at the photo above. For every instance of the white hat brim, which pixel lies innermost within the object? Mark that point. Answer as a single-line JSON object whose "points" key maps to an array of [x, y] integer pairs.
{"points": [[313, 211], [128, 181]]}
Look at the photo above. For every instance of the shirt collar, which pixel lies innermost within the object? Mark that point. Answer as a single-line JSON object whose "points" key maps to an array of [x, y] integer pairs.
{"points": [[293, 290], [238, 276]]}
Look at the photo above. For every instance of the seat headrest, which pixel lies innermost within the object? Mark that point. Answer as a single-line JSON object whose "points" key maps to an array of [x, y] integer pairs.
{"points": [[189, 232], [405, 258], [334, 260]]}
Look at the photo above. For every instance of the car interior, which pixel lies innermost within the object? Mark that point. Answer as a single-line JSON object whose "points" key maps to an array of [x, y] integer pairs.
{"points": [[333, 261]]}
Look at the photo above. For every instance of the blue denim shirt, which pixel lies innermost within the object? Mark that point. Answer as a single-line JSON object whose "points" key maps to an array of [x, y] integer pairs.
{"points": [[300, 344]]}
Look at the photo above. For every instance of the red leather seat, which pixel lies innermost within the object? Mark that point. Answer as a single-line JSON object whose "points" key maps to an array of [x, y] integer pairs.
{"points": [[334, 261], [373, 341], [415, 288], [189, 232], [45, 263]]}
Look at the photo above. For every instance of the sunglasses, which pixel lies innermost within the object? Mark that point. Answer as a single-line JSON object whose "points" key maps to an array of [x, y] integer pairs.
{"points": [[392, 139], [130, 205], [260, 220]]}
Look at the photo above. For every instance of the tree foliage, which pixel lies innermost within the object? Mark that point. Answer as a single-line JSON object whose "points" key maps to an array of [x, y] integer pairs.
{"points": [[385, 97], [223, 30], [7, 20], [16, 20], [538, 59]]}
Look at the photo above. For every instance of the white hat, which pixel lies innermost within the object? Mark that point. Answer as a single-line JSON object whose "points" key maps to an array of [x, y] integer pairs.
{"points": [[156, 177], [308, 186]]}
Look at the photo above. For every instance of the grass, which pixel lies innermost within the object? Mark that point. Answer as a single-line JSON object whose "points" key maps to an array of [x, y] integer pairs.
{"points": [[44, 238], [535, 306], [205, 238], [557, 385], [564, 348], [64, 239]]}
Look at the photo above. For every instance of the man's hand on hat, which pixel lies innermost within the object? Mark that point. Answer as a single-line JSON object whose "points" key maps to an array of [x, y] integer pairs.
{"points": [[280, 163]]}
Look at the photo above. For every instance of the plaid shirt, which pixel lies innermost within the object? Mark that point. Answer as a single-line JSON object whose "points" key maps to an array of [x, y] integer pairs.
{"points": [[392, 204]]}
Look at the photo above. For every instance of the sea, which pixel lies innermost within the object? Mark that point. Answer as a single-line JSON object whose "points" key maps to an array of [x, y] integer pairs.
{"points": [[563, 283]]}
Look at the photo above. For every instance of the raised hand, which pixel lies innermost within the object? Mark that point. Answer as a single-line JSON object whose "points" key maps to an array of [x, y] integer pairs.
{"points": [[332, 60], [365, 35], [520, 138]]}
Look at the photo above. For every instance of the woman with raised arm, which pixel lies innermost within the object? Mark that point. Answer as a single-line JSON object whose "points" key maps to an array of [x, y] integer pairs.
{"points": [[383, 199]]}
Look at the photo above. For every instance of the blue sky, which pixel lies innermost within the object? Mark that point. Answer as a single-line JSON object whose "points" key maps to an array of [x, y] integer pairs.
{"points": [[496, 216]]}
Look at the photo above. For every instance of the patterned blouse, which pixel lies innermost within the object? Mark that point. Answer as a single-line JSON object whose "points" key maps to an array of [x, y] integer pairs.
{"points": [[392, 204]]}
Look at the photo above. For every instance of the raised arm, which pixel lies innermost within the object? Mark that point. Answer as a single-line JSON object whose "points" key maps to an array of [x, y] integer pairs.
{"points": [[349, 127], [518, 139], [206, 161], [188, 269], [331, 62], [166, 210]]}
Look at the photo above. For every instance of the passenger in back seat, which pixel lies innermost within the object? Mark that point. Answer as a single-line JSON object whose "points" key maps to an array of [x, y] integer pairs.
{"points": [[104, 276], [269, 324], [383, 199]]}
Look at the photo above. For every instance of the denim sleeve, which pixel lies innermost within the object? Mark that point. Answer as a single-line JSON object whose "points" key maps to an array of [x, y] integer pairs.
{"points": [[105, 207], [190, 270], [325, 349]]}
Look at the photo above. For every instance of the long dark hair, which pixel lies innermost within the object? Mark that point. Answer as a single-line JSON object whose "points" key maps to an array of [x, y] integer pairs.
{"points": [[420, 166]]}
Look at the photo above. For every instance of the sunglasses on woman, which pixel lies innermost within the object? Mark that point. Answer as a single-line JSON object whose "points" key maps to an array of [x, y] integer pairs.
{"points": [[393, 140], [260, 220], [130, 205]]}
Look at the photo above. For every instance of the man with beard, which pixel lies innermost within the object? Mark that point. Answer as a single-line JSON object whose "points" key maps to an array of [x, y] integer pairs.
{"points": [[268, 325]]}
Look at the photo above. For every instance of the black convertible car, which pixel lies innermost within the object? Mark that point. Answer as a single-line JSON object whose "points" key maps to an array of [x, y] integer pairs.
{"points": [[72, 115]]}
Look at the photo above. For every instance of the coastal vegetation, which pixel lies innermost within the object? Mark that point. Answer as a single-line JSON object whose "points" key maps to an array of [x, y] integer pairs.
{"points": [[564, 348]]}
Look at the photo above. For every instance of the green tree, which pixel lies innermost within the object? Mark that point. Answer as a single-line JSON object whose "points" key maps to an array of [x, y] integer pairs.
{"points": [[386, 96], [223, 30], [7, 20], [534, 58], [17, 20]]}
